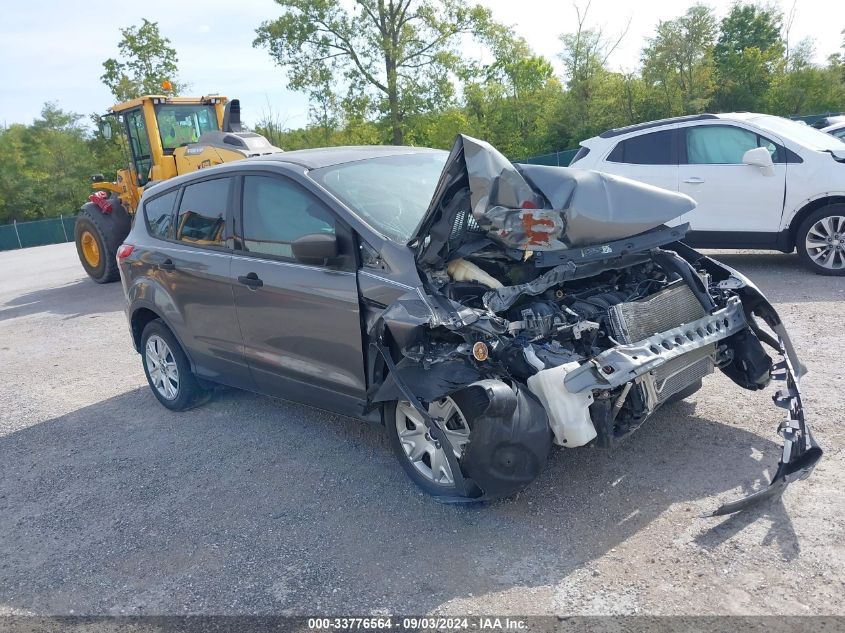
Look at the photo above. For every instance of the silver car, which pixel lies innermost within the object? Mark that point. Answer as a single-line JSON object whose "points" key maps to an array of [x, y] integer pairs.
{"points": [[481, 311]]}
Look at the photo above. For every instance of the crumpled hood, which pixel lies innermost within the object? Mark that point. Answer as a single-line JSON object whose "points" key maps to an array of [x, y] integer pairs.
{"points": [[534, 207]]}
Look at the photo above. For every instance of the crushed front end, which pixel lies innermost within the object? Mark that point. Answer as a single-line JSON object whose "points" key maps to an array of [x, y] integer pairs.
{"points": [[555, 306]]}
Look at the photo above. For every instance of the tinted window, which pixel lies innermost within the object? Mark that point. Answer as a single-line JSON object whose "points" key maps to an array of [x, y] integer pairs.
{"points": [[277, 212], [159, 214], [647, 149], [582, 151], [725, 145], [202, 212]]}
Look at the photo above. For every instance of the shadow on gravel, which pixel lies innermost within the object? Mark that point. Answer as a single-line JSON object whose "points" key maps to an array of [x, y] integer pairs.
{"points": [[77, 299], [253, 505], [780, 531], [782, 277]]}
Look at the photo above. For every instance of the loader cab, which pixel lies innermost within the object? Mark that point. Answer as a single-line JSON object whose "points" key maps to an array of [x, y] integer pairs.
{"points": [[156, 126]]}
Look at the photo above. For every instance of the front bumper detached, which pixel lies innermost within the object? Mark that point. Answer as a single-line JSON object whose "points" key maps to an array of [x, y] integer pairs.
{"points": [[800, 452]]}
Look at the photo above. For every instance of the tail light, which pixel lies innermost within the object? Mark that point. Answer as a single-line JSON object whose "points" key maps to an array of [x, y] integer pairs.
{"points": [[124, 251]]}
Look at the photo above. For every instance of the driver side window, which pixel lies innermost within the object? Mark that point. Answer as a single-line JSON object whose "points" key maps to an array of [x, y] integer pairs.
{"points": [[276, 212]]}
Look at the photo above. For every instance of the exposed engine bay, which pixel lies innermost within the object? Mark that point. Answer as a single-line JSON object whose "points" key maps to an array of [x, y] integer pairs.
{"points": [[556, 307]]}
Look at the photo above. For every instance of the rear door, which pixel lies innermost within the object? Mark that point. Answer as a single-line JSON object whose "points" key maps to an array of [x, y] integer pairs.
{"points": [[300, 323], [734, 199], [193, 266]]}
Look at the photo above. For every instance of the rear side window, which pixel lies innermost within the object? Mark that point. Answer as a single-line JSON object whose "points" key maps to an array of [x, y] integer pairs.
{"points": [[158, 213], [646, 149], [202, 212], [582, 151], [277, 212]]}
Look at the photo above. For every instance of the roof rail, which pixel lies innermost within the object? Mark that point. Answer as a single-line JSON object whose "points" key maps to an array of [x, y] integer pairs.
{"points": [[644, 126]]}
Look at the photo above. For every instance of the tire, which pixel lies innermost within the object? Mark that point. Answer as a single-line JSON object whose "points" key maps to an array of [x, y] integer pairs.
{"points": [[826, 228], [177, 390], [399, 413], [97, 236]]}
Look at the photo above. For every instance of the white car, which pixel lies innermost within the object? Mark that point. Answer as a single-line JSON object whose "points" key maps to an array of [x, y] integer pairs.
{"points": [[759, 181], [837, 130]]}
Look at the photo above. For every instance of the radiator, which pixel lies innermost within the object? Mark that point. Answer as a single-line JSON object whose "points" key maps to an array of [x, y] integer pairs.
{"points": [[671, 307]]}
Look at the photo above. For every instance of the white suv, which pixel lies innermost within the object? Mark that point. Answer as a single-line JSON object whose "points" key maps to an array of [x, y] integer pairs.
{"points": [[760, 181]]}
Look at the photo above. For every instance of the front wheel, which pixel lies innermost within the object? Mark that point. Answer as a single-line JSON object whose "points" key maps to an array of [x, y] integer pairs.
{"points": [[821, 240], [421, 457]]}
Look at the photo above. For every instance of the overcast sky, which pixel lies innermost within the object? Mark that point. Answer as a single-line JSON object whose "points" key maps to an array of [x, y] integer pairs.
{"points": [[52, 50]]}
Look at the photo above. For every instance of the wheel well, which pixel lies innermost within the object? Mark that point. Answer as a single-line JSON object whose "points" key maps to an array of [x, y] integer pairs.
{"points": [[807, 210], [140, 318]]}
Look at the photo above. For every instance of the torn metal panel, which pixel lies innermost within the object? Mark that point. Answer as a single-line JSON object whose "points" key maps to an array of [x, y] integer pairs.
{"points": [[534, 207], [599, 207]]}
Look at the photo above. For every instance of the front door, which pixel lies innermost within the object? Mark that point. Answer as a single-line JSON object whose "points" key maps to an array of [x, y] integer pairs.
{"points": [[300, 323], [732, 198]]}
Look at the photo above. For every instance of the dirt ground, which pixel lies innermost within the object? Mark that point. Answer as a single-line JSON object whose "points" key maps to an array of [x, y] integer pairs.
{"points": [[110, 504]]}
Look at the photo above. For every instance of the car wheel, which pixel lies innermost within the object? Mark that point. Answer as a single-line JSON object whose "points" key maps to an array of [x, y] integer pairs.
{"points": [[168, 370], [821, 240], [421, 457]]}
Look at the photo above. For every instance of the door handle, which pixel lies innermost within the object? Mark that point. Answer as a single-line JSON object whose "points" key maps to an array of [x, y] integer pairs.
{"points": [[694, 180], [167, 264], [251, 280]]}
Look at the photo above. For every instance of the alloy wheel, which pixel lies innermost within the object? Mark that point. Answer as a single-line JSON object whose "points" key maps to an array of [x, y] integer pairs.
{"points": [[825, 242], [161, 365], [425, 453]]}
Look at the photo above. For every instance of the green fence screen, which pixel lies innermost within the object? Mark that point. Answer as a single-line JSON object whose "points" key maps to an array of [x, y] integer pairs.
{"points": [[36, 233], [555, 159]]}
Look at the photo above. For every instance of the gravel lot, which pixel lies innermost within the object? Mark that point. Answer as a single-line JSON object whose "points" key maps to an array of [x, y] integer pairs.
{"points": [[110, 504]]}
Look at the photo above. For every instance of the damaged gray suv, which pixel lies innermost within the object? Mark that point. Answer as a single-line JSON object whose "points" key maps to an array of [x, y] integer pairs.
{"points": [[482, 311]]}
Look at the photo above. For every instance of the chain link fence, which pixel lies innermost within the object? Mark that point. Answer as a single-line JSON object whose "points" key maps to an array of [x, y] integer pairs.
{"points": [[36, 233]]}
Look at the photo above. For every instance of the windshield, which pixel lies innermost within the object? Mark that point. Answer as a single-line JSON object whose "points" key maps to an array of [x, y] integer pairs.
{"points": [[391, 193], [800, 133], [181, 124]]}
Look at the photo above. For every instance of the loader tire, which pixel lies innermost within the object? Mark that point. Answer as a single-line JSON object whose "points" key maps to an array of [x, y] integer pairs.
{"points": [[97, 236]]}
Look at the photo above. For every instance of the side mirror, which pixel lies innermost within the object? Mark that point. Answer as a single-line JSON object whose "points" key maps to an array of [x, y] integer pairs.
{"points": [[315, 248], [760, 157]]}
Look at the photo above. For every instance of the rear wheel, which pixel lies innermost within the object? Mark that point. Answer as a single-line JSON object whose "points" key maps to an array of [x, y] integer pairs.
{"points": [[821, 240], [97, 236], [168, 370]]}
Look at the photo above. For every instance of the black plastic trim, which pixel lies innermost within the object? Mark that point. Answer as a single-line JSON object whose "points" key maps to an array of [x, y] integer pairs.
{"points": [[619, 131]]}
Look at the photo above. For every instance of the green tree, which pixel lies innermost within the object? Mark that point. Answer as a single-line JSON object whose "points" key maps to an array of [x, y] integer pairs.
{"points": [[804, 87], [747, 55], [145, 62], [398, 54], [678, 60], [47, 166], [595, 96]]}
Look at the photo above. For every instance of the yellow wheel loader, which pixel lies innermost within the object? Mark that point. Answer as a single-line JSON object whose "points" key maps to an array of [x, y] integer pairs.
{"points": [[165, 137]]}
